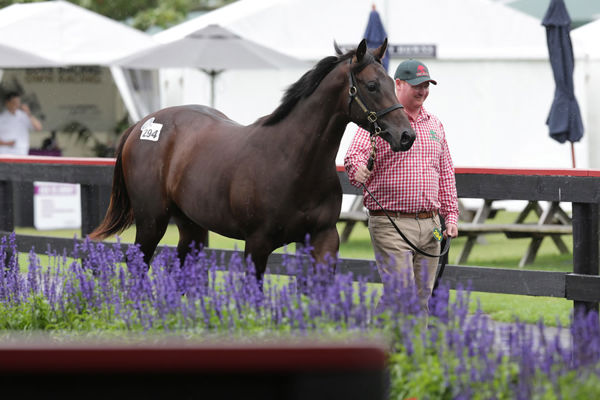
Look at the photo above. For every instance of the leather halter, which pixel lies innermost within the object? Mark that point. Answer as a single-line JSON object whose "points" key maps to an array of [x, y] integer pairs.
{"points": [[372, 116]]}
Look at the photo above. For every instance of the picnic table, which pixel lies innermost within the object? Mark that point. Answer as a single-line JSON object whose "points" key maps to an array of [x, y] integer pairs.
{"points": [[551, 222]]}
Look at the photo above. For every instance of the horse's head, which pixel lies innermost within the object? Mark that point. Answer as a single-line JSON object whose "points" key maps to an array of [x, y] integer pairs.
{"points": [[373, 102]]}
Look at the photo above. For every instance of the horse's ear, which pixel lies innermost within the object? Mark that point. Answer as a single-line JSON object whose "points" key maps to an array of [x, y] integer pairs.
{"points": [[361, 50], [379, 52], [337, 48]]}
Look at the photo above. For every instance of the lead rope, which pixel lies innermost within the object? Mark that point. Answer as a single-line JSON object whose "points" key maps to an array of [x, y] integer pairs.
{"points": [[441, 265]]}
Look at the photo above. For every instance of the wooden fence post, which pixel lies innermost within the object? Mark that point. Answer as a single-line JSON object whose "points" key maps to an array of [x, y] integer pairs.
{"points": [[7, 218], [586, 246], [90, 208]]}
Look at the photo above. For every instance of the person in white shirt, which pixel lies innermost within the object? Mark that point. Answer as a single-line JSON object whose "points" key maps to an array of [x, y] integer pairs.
{"points": [[16, 121]]}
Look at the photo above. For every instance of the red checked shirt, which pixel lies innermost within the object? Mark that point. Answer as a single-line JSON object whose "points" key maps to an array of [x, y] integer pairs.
{"points": [[420, 179]]}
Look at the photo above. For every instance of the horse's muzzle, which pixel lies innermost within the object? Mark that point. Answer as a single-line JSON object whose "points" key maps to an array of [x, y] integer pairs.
{"points": [[407, 138]]}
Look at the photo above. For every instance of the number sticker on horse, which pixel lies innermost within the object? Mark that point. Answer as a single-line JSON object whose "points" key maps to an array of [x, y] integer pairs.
{"points": [[150, 130]]}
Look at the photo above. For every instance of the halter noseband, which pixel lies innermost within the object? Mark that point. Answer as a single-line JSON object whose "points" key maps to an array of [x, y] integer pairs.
{"points": [[372, 116]]}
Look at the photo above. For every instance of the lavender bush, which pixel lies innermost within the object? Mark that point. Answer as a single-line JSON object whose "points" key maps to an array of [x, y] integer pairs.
{"points": [[455, 356]]}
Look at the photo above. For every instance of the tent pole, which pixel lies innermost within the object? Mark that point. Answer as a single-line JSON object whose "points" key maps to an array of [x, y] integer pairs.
{"points": [[212, 73], [213, 76]]}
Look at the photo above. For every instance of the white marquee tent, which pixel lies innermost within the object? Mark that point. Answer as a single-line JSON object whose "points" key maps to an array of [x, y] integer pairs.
{"points": [[495, 82], [588, 63], [69, 35]]}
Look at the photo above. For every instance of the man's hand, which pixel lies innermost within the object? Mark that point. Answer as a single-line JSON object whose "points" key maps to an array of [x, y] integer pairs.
{"points": [[451, 230], [26, 109], [362, 174]]}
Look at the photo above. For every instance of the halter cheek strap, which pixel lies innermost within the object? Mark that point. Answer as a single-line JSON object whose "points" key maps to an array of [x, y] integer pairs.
{"points": [[372, 116]]}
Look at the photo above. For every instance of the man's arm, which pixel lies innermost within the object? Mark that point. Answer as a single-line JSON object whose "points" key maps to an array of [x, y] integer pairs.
{"points": [[448, 195], [37, 125], [356, 158]]}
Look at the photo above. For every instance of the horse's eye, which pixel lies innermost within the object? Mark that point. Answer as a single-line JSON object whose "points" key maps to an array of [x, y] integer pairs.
{"points": [[372, 86]]}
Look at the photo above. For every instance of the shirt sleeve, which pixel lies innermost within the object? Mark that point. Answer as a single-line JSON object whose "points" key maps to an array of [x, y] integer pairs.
{"points": [[448, 196], [357, 155], [25, 119]]}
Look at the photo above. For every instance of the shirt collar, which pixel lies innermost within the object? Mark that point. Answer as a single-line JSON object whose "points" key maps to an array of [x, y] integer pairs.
{"points": [[423, 115]]}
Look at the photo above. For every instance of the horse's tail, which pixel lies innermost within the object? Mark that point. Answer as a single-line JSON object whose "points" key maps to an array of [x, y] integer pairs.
{"points": [[119, 215]]}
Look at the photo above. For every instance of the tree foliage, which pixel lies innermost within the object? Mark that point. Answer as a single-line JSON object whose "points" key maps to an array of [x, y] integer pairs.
{"points": [[142, 14]]}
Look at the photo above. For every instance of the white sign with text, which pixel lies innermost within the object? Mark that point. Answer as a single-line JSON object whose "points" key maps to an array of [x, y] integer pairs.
{"points": [[56, 205]]}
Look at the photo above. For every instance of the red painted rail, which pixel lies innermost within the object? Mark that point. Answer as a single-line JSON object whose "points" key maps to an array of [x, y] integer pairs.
{"points": [[56, 160], [519, 171], [187, 358], [290, 370], [340, 168]]}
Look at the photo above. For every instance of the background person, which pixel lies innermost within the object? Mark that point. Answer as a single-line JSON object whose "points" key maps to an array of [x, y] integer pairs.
{"points": [[415, 186], [16, 121]]}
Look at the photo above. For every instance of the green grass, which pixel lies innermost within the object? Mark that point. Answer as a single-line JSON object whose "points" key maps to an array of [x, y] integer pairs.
{"points": [[493, 251], [497, 251]]}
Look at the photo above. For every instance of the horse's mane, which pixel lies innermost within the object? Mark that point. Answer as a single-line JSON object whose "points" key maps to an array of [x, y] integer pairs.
{"points": [[308, 83]]}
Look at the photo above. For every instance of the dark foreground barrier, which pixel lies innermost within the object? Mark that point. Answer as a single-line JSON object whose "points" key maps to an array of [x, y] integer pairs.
{"points": [[216, 371], [579, 187]]}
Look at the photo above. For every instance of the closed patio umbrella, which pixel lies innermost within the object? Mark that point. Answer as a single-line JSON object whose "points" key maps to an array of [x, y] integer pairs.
{"points": [[564, 120], [375, 35]]}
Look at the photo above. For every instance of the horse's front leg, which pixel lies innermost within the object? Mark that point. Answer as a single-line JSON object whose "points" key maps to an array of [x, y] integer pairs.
{"points": [[326, 244]]}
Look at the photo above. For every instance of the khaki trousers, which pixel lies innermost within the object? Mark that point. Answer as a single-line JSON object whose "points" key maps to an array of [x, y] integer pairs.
{"points": [[394, 255]]}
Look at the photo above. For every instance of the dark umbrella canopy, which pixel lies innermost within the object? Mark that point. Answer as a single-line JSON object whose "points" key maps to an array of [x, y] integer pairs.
{"points": [[375, 35], [564, 121]]}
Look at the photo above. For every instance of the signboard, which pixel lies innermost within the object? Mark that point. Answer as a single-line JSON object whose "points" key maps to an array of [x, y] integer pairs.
{"points": [[406, 50], [412, 50], [60, 97], [56, 205]]}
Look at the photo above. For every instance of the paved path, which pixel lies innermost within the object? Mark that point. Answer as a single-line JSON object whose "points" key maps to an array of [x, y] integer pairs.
{"points": [[501, 330]]}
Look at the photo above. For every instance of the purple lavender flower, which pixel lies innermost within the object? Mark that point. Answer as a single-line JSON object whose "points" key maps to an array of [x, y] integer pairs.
{"points": [[212, 294]]}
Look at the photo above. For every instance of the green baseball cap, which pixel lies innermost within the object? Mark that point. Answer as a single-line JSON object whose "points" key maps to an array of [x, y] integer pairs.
{"points": [[414, 72]]}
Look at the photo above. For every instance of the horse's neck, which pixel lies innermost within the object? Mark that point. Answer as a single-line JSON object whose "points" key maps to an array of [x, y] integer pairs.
{"points": [[316, 128]]}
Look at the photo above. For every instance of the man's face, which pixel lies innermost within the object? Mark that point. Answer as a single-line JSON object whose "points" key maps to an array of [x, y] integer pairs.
{"points": [[13, 104], [412, 97]]}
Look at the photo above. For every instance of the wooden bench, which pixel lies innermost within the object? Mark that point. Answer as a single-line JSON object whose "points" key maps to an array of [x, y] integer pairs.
{"points": [[553, 222], [513, 231]]}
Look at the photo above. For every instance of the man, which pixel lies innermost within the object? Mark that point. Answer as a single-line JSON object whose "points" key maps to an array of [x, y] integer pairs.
{"points": [[16, 121], [415, 187]]}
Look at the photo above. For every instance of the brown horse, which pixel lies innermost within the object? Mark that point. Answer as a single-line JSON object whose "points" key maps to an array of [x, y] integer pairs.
{"points": [[269, 183]]}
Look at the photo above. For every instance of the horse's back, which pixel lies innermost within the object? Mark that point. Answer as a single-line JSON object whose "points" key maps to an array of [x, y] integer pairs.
{"points": [[174, 156], [162, 136]]}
